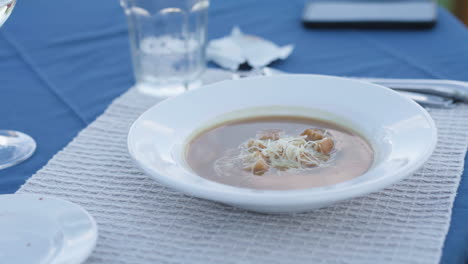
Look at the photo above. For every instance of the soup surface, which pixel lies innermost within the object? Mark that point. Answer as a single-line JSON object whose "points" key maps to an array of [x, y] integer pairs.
{"points": [[213, 154]]}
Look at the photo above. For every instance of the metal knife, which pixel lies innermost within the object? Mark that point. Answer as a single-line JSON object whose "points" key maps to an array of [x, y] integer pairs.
{"points": [[455, 90], [432, 93]]}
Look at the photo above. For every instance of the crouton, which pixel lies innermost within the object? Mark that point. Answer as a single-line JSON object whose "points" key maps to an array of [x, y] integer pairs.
{"points": [[259, 167], [312, 134], [326, 146]]}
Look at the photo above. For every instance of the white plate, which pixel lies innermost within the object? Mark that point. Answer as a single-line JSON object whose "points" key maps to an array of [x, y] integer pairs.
{"points": [[402, 134], [37, 229]]}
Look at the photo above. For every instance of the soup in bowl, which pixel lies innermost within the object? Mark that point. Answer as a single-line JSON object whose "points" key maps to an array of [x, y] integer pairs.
{"points": [[279, 153], [286, 143]]}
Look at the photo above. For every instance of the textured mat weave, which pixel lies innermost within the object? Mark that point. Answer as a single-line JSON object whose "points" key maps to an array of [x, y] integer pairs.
{"points": [[141, 221]]}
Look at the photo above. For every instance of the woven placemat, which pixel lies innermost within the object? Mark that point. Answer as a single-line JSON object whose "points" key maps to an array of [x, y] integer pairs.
{"points": [[140, 221]]}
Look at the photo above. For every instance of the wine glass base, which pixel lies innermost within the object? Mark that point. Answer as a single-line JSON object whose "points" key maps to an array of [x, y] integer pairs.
{"points": [[15, 147]]}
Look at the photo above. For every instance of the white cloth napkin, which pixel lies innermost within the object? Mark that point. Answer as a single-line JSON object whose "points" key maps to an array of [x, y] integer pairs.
{"points": [[231, 51]]}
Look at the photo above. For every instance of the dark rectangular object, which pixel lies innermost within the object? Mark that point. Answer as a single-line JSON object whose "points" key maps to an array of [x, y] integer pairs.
{"points": [[398, 14]]}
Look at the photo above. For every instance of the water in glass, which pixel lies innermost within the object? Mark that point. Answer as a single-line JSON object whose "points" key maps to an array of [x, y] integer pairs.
{"points": [[167, 40]]}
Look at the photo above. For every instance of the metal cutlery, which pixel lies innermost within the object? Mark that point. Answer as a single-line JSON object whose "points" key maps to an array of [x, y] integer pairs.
{"points": [[429, 100], [431, 93], [455, 90]]}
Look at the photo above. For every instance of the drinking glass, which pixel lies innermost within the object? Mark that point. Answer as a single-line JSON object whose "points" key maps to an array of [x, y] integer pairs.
{"points": [[167, 40], [15, 146]]}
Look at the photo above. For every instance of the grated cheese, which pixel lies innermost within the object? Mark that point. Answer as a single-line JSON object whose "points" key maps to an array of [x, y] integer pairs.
{"points": [[278, 151]]}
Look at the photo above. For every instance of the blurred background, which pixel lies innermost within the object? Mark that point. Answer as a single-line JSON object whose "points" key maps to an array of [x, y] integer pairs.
{"points": [[458, 7]]}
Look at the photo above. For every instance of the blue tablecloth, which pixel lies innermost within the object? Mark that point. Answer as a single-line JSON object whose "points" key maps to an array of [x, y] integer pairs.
{"points": [[63, 61]]}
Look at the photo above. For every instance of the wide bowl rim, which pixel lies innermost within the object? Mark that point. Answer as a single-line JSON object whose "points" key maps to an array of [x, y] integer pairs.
{"points": [[245, 196]]}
